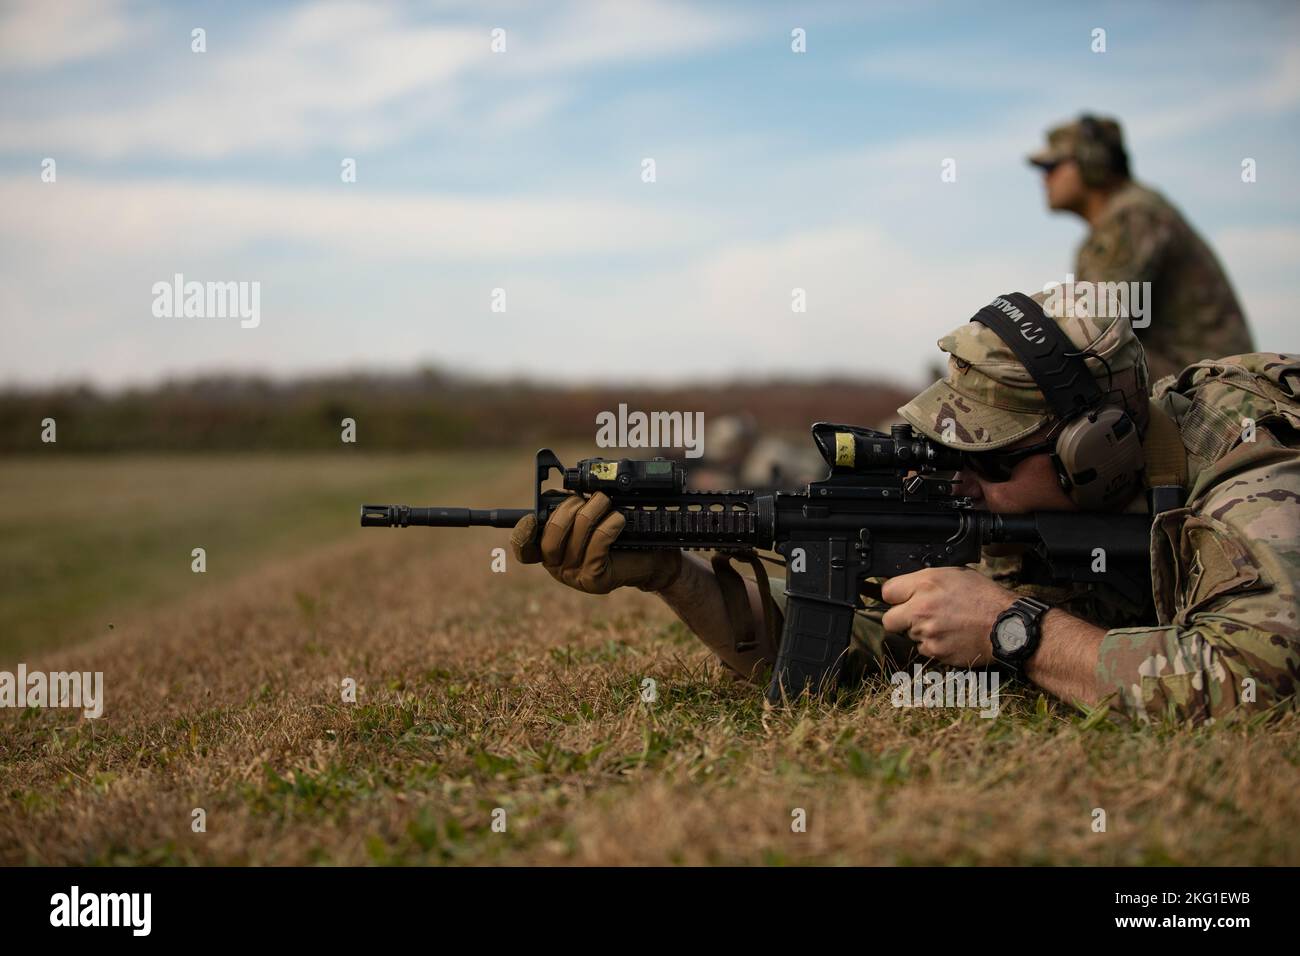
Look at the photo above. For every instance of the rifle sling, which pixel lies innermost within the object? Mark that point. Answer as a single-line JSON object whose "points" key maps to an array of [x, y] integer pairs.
{"points": [[735, 597], [1166, 458]]}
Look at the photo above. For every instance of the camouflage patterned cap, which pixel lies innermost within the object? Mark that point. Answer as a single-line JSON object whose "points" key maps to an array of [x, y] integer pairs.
{"points": [[1063, 142], [988, 399]]}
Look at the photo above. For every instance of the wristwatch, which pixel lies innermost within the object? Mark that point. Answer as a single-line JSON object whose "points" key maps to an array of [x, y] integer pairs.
{"points": [[1017, 631]]}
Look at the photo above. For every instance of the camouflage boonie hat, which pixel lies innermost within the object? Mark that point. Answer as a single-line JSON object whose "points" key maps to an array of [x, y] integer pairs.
{"points": [[1063, 142], [988, 399]]}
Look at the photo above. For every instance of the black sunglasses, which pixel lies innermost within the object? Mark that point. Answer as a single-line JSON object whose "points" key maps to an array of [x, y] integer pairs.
{"points": [[997, 466], [1049, 167]]}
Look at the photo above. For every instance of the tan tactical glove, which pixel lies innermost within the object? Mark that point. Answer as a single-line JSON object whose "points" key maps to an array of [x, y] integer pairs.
{"points": [[575, 549]]}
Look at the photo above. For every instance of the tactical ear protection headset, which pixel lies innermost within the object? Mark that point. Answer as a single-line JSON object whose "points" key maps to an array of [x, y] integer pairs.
{"points": [[1098, 452], [1098, 158]]}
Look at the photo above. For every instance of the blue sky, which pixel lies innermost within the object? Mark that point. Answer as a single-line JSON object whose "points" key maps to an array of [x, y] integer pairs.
{"points": [[522, 170]]}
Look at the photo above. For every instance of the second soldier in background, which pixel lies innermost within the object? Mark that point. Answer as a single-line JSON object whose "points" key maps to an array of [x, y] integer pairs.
{"points": [[1139, 236]]}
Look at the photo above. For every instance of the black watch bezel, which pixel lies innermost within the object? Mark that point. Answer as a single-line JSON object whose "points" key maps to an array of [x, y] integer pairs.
{"points": [[1030, 611]]}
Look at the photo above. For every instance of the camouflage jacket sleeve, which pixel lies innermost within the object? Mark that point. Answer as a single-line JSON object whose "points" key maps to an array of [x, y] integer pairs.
{"points": [[1128, 246], [1226, 576]]}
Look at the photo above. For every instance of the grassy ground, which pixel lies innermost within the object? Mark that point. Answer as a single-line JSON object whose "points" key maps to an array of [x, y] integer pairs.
{"points": [[87, 541], [481, 692]]}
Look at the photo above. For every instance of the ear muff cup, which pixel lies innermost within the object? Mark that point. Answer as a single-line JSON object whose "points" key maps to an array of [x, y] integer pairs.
{"points": [[1090, 153], [1097, 160], [1099, 458]]}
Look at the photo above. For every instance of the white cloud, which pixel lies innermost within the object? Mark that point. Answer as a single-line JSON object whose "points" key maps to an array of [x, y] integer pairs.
{"points": [[40, 34], [1263, 247], [525, 109], [199, 217], [323, 73], [1159, 91], [1261, 261], [355, 75], [874, 306], [588, 34], [1272, 91], [395, 280]]}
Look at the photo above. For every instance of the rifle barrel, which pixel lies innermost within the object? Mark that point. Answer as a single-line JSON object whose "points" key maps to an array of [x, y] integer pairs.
{"points": [[401, 516]]}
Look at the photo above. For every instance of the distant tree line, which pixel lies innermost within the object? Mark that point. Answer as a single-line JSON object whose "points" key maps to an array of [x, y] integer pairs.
{"points": [[419, 411]]}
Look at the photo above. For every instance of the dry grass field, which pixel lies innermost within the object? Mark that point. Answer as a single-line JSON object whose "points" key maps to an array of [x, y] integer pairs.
{"points": [[479, 691]]}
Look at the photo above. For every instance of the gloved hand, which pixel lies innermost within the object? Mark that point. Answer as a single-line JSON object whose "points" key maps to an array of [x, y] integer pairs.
{"points": [[575, 549]]}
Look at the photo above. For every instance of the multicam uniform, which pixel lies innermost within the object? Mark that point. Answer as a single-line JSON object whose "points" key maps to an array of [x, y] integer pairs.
{"points": [[1226, 568], [1192, 310], [1223, 630]]}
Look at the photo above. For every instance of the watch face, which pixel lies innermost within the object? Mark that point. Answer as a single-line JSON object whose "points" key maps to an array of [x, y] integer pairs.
{"points": [[1012, 635]]}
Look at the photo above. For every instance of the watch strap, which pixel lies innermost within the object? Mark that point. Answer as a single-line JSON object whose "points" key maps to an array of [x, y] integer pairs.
{"points": [[1032, 604]]}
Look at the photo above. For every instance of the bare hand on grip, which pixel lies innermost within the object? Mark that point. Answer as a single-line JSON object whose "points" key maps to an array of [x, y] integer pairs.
{"points": [[575, 549]]}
